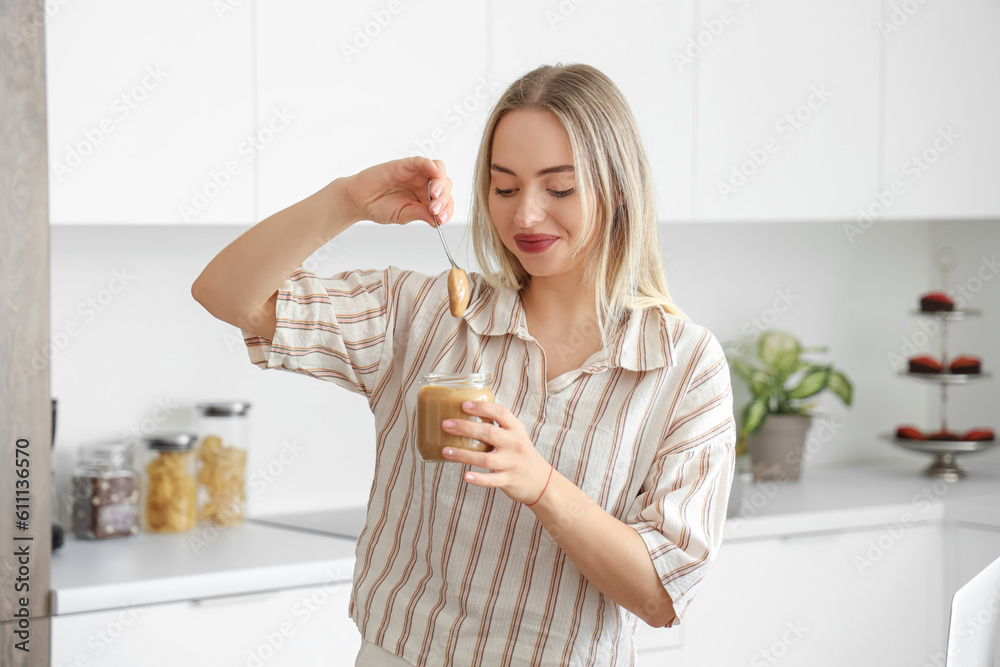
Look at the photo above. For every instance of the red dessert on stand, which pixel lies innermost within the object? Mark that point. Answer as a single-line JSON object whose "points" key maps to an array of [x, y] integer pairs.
{"points": [[944, 435], [910, 433], [934, 302], [979, 434], [966, 364], [925, 364]]}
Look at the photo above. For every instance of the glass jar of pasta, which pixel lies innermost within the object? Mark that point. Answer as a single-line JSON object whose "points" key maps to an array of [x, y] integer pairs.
{"points": [[222, 454], [171, 493], [105, 493]]}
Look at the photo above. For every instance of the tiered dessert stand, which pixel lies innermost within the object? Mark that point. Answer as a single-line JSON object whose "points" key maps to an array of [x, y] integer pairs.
{"points": [[945, 464]]}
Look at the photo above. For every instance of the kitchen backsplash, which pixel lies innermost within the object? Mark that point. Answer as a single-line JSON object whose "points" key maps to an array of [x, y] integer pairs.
{"points": [[132, 352]]}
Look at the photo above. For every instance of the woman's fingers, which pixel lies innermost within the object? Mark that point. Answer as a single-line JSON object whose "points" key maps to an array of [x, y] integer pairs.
{"points": [[468, 457], [483, 432], [495, 411]]}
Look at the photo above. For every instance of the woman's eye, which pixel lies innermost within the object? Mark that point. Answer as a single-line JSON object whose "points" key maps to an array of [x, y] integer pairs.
{"points": [[503, 193], [562, 193]]}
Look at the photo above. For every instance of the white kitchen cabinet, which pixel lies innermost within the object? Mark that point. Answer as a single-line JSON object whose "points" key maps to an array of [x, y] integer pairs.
{"points": [[972, 548], [150, 112], [942, 102], [853, 597], [367, 82], [639, 45], [787, 109], [293, 627]]}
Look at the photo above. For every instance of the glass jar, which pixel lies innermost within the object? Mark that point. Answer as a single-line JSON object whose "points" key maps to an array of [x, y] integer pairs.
{"points": [[105, 493], [222, 477], [440, 397], [171, 493]]}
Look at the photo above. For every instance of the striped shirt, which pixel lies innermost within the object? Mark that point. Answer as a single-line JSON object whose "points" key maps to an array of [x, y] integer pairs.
{"points": [[450, 573]]}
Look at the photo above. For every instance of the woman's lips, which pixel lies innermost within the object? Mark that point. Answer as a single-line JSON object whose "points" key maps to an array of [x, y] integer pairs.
{"points": [[534, 243]]}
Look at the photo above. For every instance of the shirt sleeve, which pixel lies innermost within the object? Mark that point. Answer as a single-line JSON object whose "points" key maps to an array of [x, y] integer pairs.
{"points": [[334, 329], [680, 512]]}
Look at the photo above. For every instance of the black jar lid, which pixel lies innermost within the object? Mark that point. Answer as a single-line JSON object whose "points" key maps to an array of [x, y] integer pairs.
{"points": [[224, 408], [176, 441]]}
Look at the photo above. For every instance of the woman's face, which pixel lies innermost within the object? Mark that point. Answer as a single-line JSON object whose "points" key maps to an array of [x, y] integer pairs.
{"points": [[534, 201]]}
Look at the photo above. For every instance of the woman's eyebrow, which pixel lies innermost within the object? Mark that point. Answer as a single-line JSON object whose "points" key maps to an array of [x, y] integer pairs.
{"points": [[548, 170]]}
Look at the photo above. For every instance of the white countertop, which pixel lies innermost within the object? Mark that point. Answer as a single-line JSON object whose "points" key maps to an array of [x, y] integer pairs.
{"points": [[153, 568], [859, 496], [150, 569]]}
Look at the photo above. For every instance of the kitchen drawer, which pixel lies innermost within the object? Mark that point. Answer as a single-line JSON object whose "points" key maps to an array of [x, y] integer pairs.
{"points": [[287, 627]]}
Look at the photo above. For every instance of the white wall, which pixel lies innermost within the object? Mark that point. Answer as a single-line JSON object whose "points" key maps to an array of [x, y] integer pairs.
{"points": [[151, 345]]}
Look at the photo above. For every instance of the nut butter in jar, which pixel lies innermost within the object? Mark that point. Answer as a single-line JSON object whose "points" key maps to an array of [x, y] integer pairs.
{"points": [[440, 397]]}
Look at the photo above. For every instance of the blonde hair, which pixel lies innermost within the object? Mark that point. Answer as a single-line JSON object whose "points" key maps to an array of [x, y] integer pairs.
{"points": [[623, 264]]}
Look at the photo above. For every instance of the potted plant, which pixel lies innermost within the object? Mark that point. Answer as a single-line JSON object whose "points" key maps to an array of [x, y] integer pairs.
{"points": [[778, 416]]}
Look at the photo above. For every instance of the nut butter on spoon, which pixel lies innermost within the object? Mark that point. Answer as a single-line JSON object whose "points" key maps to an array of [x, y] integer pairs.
{"points": [[458, 282]]}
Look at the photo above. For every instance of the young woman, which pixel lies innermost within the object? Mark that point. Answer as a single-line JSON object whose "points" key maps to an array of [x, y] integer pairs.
{"points": [[604, 496]]}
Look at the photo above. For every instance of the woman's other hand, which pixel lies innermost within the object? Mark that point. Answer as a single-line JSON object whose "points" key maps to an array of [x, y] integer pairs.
{"points": [[395, 193], [514, 466]]}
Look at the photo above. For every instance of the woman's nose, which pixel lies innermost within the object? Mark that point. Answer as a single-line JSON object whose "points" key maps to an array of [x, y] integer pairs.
{"points": [[528, 212]]}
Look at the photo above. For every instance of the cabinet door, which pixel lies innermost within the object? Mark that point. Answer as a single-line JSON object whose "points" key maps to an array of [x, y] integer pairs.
{"points": [[942, 105], [787, 108], [367, 82], [284, 628], [149, 112], [862, 597], [971, 548], [640, 46]]}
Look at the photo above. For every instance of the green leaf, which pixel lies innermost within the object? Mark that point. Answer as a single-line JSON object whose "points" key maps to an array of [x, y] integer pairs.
{"points": [[841, 386], [813, 382], [779, 351], [753, 415], [760, 384], [743, 369]]}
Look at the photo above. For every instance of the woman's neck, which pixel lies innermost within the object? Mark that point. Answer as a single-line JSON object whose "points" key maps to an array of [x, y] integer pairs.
{"points": [[559, 302]]}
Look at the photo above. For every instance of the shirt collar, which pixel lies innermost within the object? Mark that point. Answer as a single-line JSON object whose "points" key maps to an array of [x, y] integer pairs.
{"points": [[643, 344]]}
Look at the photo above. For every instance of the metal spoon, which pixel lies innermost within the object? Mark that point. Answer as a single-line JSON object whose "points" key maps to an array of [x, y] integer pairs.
{"points": [[437, 226], [458, 281]]}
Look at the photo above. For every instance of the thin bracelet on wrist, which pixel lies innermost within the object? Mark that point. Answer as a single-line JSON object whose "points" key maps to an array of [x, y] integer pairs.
{"points": [[551, 468]]}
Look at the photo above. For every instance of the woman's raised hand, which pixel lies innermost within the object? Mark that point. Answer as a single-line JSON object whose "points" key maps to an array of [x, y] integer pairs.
{"points": [[395, 193]]}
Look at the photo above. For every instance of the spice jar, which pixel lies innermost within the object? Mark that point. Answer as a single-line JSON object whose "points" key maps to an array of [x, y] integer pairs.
{"points": [[224, 429], [105, 493], [171, 494], [440, 397]]}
